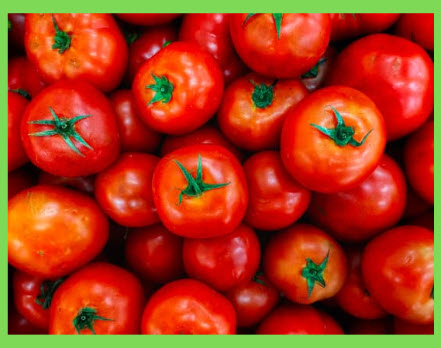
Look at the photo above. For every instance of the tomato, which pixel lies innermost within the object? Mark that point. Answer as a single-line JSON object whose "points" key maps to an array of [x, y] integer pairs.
{"points": [[124, 190], [275, 199], [360, 213], [35, 218], [80, 183], [280, 45], [16, 107], [418, 27], [223, 262], [154, 254], [147, 18], [188, 306], [402, 327], [305, 264], [333, 139], [18, 325], [88, 46], [98, 299], [315, 77], [18, 180], [370, 327], [23, 76], [211, 32], [16, 31], [419, 161], [178, 89], [426, 220], [70, 129], [200, 191], [253, 109], [398, 78], [397, 268]]}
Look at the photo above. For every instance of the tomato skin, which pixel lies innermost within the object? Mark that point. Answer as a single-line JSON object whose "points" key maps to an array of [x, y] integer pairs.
{"points": [[358, 214], [18, 180], [284, 57], [18, 325], [275, 199], [324, 67], [124, 190], [315, 160], [216, 212], [397, 268], [197, 88], [112, 291], [92, 35], [188, 306], [80, 183], [285, 259], [419, 161], [17, 32], [154, 254], [398, 78], [147, 18], [223, 262], [23, 75], [16, 107], [257, 128], [417, 27], [403, 327], [44, 211]]}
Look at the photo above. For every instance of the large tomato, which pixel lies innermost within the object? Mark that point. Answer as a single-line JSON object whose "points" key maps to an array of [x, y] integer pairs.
{"points": [[333, 139], [418, 27], [148, 18], [280, 45], [23, 77], [17, 104]]}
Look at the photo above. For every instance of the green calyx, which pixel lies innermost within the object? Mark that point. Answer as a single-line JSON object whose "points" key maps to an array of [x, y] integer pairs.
{"points": [[277, 21], [263, 94], [258, 278], [163, 88], [64, 127], [313, 273], [86, 318], [196, 186], [314, 71], [22, 92], [166, 44], [9, 25], [47, 290], [341, 134], [131, 36], [62, 39]]}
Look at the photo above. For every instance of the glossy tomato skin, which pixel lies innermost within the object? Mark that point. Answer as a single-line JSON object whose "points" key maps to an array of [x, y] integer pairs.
{"points": [[37, 215], [18, 325], [280, 56], [69, 99], [16, 107], [417, 27], [223, 262], [215, 212], [285, 263], [20, 179], [188, 306], [147, 18], [92, 35], [275, 199], [247, 123], [314, 78], [24, 76], [315, 160], [194, 84], [154, 254], [403, 327], [16, 31], [80, 183], [358, 214], [398, 78], [397, 268], [110, 290]]}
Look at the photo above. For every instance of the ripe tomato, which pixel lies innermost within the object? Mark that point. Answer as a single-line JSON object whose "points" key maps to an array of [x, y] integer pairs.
{"points": [[403, 327], [23, 77], [280, 45], [315, 77], [70, 129], [275, 199], [124, 190], [88, 46], [333, 139], [305, 264], [223, 262], [417, 27], [20, 179], [253, 109], [395, 73], [147, 18], [200, 191], [397, 268], [16, 32], [100, 298], [80, 183], [358, 214], [188, 306], [178, 89], [16, 107], [35, 218], [154, 254], [18, 325]]}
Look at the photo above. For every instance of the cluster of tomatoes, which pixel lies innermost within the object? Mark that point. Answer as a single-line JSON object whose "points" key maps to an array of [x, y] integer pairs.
{"points": [[221, 173]]}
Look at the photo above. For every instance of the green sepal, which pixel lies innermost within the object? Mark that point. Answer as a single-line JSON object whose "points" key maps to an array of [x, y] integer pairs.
{"points": [[258, 280], [314, 71], [22, 92], [163, 88], [86, 318], [277, 21], [62, 39], [263, 94], [313, 273], [47, 290], [9, 25], [166, 44]]}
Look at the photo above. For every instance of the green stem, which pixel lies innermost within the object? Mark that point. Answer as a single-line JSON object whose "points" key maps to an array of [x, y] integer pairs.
{"points": [[86, 318], [47, 290], [313, 273], [263, 94], [62, 39], [163, 89]]}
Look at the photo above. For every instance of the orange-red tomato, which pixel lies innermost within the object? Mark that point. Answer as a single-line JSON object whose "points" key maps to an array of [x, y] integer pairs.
{"points": [[23, 76], [418, 27]]}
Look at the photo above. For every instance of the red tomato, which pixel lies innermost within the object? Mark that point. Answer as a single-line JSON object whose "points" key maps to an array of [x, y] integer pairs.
{"points": [[80, 183], [253, 109], [418, 27], [370, 327], [147, 18], [358, 214], [70, 129], [16, 154], [315, 77], [305, 264], [280, 45], [275, 199], [419, 161], [124, 190], [16, 31], [23, 76], [18, 325], [333, 139], [18, 180], [402, 327], [154, 254], [398, 78], [35, 218], [200, 191], [188, 306], [178, 89], [223, 262], [98, 299], [397, 269]]}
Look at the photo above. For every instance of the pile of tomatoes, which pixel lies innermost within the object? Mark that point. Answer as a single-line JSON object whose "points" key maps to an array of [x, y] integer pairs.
{"points": [[221, 173]]}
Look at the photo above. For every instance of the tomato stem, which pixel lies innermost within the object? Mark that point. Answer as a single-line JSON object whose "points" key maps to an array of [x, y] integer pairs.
{"points": [[86, 318], [314, 71], [313, 273], [163, 88], [62, 39], [263, 94], [22, 92], [47, 290]]}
